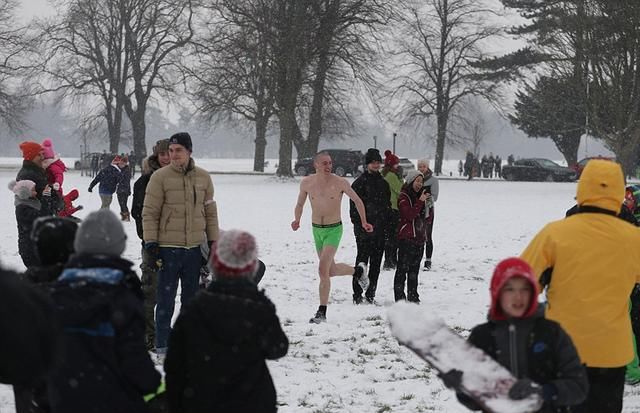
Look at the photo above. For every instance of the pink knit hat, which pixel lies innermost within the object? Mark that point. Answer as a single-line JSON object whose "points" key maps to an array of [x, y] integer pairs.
{"points": [[234, 254], [47, 149]]}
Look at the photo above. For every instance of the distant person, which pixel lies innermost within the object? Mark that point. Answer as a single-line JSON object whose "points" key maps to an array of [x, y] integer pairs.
{"points": [[468, 165], [222, 338], [432, 189], [498, 166], [108, 179], [510, 159], [133, 160], [123, 190], [590, 265], [391, 174], [158, 159], [460, 167], [324, 190], [373, 190], [412, 234]]}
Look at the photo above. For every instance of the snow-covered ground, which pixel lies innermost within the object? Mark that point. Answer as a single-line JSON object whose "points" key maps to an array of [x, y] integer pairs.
{"points": [[351, 363]]}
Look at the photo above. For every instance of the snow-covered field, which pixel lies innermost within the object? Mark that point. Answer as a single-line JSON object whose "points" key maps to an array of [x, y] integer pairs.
{"points": [[351, 363]]}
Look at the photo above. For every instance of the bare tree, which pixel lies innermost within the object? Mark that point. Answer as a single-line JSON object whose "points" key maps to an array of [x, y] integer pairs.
{"points": [[233, 74], [13, 105], [156, 32], [436, 48], [84, 59]]}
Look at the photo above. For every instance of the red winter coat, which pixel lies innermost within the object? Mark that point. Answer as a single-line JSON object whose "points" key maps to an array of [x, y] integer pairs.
{"points": [[413, 220]]}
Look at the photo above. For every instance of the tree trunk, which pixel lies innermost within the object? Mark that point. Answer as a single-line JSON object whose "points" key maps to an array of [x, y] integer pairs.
{"points": [[139, 129], [568, 146], [287, 130], [260, 144], [440, 142]]}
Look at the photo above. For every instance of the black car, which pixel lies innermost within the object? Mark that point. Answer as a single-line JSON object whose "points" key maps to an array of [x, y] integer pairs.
{"points": [[537, 169], [345, 162]]}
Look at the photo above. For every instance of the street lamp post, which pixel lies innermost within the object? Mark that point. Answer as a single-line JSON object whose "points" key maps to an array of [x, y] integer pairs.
{"points": [[375, 142], [394, 142]]}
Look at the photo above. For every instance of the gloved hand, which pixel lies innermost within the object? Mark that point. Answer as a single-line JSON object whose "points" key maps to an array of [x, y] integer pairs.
{"points": [[524, 388], [451, 379], [56, 186], [153, 251], [46, 191], [90, 189]]}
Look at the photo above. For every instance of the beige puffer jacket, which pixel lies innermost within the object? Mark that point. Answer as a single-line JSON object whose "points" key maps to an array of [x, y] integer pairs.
{"points": [[179, 207]]}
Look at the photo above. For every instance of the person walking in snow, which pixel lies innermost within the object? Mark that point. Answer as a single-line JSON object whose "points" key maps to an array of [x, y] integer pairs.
{"points": [[590, 263], [158, 159], [432, 188], [324, 190], [537, 351], [391, 174], [375, 194], [412, 234], [123, 190], [108, 179], [179, 213], [221, 339], [104, 366]]}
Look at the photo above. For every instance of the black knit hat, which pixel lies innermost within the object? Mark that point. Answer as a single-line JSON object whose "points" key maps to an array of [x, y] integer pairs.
{"points": [[372, 156], [182, 138]]}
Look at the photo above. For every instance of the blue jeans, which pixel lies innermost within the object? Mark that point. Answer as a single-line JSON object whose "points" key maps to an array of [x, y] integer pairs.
{"points": [[177, 264]]}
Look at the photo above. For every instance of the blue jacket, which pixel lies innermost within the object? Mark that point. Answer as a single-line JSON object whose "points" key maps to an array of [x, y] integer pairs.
{"points": [[108, 179]]}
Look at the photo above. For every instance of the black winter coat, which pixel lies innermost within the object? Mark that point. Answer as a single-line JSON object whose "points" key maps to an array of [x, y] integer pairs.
{"points": [[217, 350], [104, 364], [27, 211], [108, 178], [544, 353], [50, 205], [124, 183], [139, 189], [29, 331], [374, 191]]}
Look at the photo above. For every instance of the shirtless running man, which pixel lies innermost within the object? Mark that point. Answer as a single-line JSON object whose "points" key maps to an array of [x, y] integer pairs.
{"points": [[325, 190]]}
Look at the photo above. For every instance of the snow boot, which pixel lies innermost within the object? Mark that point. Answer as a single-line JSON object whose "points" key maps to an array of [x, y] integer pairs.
{"points": [[125, 216], [427, 265], [361, 274], [320, 317]]}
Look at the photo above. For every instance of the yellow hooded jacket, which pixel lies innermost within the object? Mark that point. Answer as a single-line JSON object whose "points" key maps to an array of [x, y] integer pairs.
{"points": [[595, 257]]}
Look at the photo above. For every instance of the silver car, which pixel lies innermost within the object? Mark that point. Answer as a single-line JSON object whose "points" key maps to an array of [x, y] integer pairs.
{"points": [[406, 166]]}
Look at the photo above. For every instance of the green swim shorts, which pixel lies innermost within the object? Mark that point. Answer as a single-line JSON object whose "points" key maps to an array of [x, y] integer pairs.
{"points": [[325, 235]]}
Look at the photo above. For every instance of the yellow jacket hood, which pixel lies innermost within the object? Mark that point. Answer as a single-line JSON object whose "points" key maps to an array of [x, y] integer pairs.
{"points": [[601, 185]]}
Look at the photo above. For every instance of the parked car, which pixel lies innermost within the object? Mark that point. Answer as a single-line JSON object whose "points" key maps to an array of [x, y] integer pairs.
{"points": [[537, 169], [345, 162], [406, 166], [579, 167]]}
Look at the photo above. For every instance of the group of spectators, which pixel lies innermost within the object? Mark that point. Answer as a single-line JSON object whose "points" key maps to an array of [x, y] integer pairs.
{"points": [[402, 214], [88, 351], [486, 167]]}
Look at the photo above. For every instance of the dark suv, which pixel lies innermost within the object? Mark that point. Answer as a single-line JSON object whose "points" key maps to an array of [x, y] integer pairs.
{"points": [[345, 161]]}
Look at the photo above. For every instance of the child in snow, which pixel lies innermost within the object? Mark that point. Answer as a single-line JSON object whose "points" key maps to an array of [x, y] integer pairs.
{"points": [[104, 366], [55, 176], [217, 349], [28, 209], [537, 351], [108, 179]]}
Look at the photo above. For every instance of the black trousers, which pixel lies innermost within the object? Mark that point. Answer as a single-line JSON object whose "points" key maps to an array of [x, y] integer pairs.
{"points": [[409, 255], [606, 388], [122, 200], [428, 247], [391, 240], [370, 251]]}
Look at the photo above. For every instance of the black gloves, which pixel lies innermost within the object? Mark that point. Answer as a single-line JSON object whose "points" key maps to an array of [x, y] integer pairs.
{"points": [[452, 379], [524, 388], [90, 189], [153, 250]]}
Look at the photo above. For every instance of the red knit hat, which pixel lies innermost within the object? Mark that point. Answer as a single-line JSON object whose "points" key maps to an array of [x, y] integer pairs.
{"points": [[30, 150], [116, 160], [390, 159], [234, 254]]}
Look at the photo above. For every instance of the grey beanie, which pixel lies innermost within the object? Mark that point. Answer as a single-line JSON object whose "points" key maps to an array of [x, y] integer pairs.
{"points": [[101, 233], [411, 176]]}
